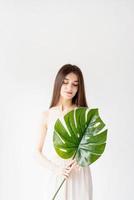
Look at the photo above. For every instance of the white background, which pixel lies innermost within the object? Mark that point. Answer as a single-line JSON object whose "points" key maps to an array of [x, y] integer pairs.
{"points": [[36, 39]]}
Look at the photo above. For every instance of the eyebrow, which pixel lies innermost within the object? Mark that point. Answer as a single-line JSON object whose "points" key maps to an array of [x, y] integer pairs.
{"points": [[68, 79]]}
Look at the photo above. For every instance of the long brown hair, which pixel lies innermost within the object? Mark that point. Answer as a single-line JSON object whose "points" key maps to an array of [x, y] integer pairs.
{"points": [[80, 98]]}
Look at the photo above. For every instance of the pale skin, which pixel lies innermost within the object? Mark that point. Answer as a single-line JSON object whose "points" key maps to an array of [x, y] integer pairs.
{"points": [[68, 90]]}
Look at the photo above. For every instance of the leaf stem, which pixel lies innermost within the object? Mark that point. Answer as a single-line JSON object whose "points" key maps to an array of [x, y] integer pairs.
{"points": [[58, 189], [61, 183]]}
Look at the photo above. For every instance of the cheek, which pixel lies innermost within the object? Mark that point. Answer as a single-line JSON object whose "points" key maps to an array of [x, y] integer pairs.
{"points": [[75, 90], [62, 89]]}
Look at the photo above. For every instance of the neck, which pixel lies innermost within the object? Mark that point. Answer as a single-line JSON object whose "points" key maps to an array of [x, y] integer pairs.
{"points": [[65, 103]]}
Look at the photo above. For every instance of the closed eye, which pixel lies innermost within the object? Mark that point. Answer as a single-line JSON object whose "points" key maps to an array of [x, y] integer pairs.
{"points": [[75, 84], [67, 83]]}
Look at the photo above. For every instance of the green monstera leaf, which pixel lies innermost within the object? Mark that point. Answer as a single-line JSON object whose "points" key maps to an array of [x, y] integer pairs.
{"points": [[80, 135]]}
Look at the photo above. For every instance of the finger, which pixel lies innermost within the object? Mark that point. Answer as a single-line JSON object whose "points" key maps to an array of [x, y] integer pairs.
{"points": [[66, 175], [68, 167], [68, 170], [71, 162], [74, 165]]}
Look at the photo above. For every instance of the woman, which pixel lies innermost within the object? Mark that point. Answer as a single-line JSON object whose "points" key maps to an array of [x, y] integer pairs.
{"points": [[68, 93]]}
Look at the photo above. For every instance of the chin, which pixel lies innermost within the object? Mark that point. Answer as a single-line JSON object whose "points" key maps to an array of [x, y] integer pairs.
{"points": [[66, 97]]}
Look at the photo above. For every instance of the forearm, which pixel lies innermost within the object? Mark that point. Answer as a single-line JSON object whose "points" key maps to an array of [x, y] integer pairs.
{"points": [[42, 159]]}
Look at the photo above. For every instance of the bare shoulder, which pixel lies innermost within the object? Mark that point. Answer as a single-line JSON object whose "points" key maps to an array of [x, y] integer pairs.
{"points": [[42, 129], [45, 114], [44, 117]]}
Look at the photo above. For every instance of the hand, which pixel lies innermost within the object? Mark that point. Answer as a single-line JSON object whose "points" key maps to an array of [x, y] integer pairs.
{"points": [[65, 172]]}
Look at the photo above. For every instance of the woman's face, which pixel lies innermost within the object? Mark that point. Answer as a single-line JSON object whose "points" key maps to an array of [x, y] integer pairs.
{"points": [[69, 86]]}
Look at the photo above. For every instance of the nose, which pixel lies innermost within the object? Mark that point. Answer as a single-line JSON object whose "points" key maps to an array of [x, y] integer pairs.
{"points": [[69, 87]]}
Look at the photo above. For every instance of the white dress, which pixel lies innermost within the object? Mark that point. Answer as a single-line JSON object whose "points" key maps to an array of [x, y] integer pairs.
{"points": [[79, 184]]}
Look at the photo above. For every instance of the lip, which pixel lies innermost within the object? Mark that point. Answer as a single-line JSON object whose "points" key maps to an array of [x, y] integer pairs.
{"points": [[68, 92]]}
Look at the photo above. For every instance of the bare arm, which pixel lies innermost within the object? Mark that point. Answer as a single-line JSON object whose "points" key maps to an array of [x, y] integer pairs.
{"points": [[41, 158]]}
